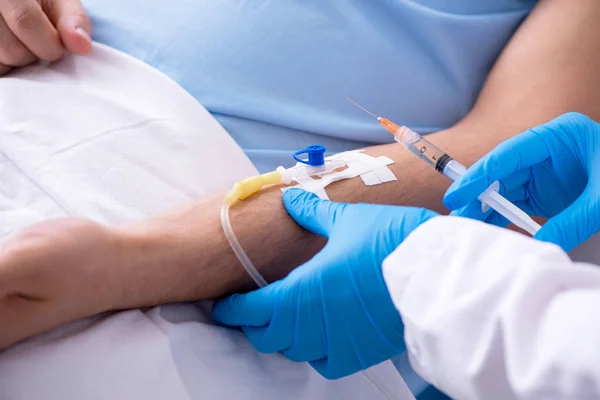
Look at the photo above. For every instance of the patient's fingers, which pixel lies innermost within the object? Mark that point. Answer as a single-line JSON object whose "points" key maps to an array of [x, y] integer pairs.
{"points": [[23, 263], [12, 52], [31, 26], [22, 318], [73, 25], [4, 69], [9, 272]]}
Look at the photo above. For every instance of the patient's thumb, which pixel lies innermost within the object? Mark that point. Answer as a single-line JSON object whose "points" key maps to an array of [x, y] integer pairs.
{"points": [[311, 212], [73, 25]]}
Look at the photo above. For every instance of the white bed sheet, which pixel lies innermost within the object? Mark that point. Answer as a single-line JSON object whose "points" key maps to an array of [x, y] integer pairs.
{"points": [[111, 139]]}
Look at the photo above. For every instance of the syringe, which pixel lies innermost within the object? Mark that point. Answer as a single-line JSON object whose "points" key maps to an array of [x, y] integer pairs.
{"points": [[452, 169]]}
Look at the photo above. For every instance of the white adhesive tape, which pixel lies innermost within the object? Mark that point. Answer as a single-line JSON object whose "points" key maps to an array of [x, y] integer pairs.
{"points": [[370, 179], [385, 174], [372, 171]]}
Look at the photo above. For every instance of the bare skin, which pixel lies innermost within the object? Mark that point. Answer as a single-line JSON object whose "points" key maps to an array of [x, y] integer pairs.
{"points": [[32, 30], [64, 270]]}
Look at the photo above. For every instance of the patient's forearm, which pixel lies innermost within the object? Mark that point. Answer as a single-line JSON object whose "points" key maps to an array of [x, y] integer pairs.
{"points": [[550, 67], [186, 255]]}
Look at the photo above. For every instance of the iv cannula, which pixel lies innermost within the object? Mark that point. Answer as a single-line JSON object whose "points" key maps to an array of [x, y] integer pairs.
{"points": [[452, 169]]}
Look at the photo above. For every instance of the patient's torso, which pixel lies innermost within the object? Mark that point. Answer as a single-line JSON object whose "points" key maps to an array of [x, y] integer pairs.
{"points": [[276, 73]]}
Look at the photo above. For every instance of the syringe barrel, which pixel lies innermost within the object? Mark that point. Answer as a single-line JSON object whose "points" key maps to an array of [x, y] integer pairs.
{"points": [[422, 148], [430, 153], [454, 169]]}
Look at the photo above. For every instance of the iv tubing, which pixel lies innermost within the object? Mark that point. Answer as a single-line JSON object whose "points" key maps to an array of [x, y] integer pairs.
{"points": [[237, 248]]}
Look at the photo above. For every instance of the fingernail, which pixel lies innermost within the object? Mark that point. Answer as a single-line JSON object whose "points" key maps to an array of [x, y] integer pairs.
{"points": [[83, 34]]}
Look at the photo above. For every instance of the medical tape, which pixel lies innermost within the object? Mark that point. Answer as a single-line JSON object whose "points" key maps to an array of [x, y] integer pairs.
{"points": [[370, 179], [372, 171], [380, 173], [312, 185]]}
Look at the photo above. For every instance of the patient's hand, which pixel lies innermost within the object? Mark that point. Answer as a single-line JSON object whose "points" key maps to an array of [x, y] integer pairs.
{"points": [[56, 272], [32, 30]]}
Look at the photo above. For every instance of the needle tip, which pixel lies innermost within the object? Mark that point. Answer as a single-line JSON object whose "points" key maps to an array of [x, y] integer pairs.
{"points": [[361, 107]]}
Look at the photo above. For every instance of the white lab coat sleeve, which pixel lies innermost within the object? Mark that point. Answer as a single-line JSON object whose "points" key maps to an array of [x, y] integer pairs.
{"points": [[493, 314]]}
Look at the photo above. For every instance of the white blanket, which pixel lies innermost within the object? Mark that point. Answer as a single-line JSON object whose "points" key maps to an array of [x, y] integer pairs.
{"points": [[111, 139]]}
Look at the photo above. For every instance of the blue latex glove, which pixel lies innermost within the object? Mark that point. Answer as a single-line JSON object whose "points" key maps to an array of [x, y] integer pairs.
{"points": [[550, 171], [335, 311]]}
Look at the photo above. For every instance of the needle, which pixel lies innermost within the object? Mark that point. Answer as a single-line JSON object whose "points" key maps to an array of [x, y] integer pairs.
{"points": [[386, 123], [361, 107]]}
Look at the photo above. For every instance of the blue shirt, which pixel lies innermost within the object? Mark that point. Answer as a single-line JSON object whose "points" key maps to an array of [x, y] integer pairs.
{"points": [[276, 73]]}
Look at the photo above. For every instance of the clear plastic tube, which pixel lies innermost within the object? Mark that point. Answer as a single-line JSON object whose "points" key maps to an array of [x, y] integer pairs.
{"points": [[237, 247]]}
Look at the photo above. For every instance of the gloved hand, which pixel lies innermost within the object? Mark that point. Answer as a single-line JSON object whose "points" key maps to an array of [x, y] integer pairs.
{"points": [[32, 30], [334, 311], [552, 171]]}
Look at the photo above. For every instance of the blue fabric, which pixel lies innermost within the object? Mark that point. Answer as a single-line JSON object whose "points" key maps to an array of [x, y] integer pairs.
{"points": [[275, 74]]}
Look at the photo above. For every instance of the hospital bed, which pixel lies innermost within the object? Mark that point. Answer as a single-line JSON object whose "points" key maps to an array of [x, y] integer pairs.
{"points": [[108, 138]]}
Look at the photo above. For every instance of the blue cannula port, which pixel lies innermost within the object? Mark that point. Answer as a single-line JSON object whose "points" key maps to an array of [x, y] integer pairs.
{"points": [[316, 155]]}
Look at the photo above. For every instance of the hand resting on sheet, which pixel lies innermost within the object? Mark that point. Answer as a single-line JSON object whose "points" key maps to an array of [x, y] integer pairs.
{"points": [[53, 273]]}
